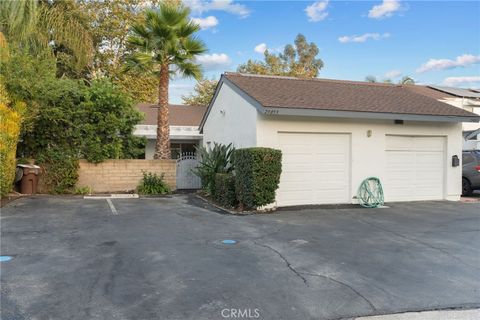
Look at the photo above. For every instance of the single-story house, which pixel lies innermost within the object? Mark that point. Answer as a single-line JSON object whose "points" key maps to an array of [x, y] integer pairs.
{"points": [[184, 122], [333, 134]]}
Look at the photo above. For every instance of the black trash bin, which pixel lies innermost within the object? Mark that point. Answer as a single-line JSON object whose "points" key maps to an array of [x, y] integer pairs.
{"points": [[29, 181]]}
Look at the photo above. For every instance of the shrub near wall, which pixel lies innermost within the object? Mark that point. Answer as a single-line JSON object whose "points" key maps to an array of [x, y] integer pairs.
{"points": [[59, 171], [225, 190], [257, 175], [10, 122]]}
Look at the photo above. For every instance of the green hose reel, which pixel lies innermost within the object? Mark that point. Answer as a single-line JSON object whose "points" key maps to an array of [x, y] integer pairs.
{"points": [[370, 193]]}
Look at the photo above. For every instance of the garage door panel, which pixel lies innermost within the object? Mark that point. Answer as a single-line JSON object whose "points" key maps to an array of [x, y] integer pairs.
{"points": [[411, 143], [428, 144], [316, 171], [415, 168]]}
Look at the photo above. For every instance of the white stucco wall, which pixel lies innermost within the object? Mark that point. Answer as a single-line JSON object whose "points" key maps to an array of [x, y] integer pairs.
{"points": [[368, 154], [231, 120]]}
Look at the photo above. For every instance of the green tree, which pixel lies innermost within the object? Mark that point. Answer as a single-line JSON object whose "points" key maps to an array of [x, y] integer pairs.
{"points": [[40, 25], [93, 121], [109, 22], [406, 80], [10, 122], [165, 45], [24, 75], [298, 60], [203, 93]]}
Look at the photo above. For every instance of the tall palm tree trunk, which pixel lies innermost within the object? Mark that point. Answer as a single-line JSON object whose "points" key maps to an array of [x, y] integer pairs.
{"points": [[162, 145]]}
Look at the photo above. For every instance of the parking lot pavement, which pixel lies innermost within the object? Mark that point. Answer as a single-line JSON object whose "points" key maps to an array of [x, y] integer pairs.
{"points": [[163, 258]]}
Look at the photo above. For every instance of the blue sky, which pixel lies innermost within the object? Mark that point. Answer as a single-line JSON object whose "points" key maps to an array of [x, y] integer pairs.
{"points": [[434, 42]]}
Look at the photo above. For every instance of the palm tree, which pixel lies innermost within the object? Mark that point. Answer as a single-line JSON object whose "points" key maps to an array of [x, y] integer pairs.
{"points": [[406, 80], [165, 45], [39, 24]]}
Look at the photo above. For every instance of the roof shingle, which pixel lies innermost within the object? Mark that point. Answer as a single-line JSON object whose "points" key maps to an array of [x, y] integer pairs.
{"points": [[179, 115], [339, 95]]}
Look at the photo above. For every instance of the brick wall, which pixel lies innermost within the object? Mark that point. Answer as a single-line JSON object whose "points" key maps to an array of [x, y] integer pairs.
{"points": [[123, 175]]}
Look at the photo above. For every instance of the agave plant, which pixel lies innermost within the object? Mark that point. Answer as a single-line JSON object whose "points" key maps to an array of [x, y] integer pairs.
{"points": [[212, 161]]}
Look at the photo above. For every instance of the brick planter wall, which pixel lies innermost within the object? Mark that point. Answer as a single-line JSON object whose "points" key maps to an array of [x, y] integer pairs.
{"points": [[123, 175]]}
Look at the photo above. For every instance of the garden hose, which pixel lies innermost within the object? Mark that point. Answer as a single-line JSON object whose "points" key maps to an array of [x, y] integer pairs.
{"points": [[370, 193]]}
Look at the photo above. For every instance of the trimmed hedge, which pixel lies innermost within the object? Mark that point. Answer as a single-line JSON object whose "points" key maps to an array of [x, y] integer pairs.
{"points": [[225, 190], [60, 170], [257, 175]]}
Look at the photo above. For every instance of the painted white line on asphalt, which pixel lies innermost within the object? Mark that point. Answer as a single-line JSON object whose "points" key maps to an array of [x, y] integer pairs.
{"points": [[113, 196], [112, 207]]}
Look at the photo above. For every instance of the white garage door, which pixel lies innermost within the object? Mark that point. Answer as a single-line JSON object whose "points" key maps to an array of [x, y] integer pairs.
{"points": [[315, 169], [415, 168]]}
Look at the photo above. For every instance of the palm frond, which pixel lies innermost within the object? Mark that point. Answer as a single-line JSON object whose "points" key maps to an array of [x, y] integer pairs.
{"points": [[64, 28], [193, 46], [189, 70], [18, 18], [138, 42], [140, 31], [172, 14], [188, 29], [139, 62]]}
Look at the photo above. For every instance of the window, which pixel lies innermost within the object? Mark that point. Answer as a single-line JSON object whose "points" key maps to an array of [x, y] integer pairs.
{"points": [[175, 150], [178, 149]]}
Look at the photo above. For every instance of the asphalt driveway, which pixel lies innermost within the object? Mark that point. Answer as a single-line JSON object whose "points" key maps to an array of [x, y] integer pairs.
{"points": [[164, 259]]}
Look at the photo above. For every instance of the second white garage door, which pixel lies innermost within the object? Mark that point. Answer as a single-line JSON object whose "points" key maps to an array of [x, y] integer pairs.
{"points": [[315, 169], [415, 168]]}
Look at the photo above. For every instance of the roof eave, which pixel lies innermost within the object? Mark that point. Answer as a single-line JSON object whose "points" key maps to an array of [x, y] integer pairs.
{"points": [[367, 115]]}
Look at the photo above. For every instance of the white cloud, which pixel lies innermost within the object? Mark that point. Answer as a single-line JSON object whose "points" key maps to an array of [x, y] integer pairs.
{"points": [[441, 64], [363, 37], [317, 11], [201, 6], [214, 61], [393, 74], [465, 81], [385, 9], [260, 48], [206, 23]]}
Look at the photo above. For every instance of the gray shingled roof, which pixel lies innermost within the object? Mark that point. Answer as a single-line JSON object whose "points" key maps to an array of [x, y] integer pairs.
{"points": [[179, 115], [339, 95]]}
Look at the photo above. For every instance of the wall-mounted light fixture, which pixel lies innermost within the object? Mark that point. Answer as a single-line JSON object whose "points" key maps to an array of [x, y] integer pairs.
{"points": [[369, 133]]}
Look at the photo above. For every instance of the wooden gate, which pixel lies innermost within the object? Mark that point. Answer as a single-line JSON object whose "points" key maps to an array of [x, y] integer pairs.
{"points": [[186, 179]]}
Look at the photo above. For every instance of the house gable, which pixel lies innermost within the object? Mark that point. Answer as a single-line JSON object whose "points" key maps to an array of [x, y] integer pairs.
{"points": [[231, 116]]}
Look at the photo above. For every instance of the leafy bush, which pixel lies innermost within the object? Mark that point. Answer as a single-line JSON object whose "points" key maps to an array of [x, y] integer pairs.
{"points": [[94, 123], [83, 190], [153, 183], [225, 190], [10, 121], [60, 170], [257, 175], [212, 161]]}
